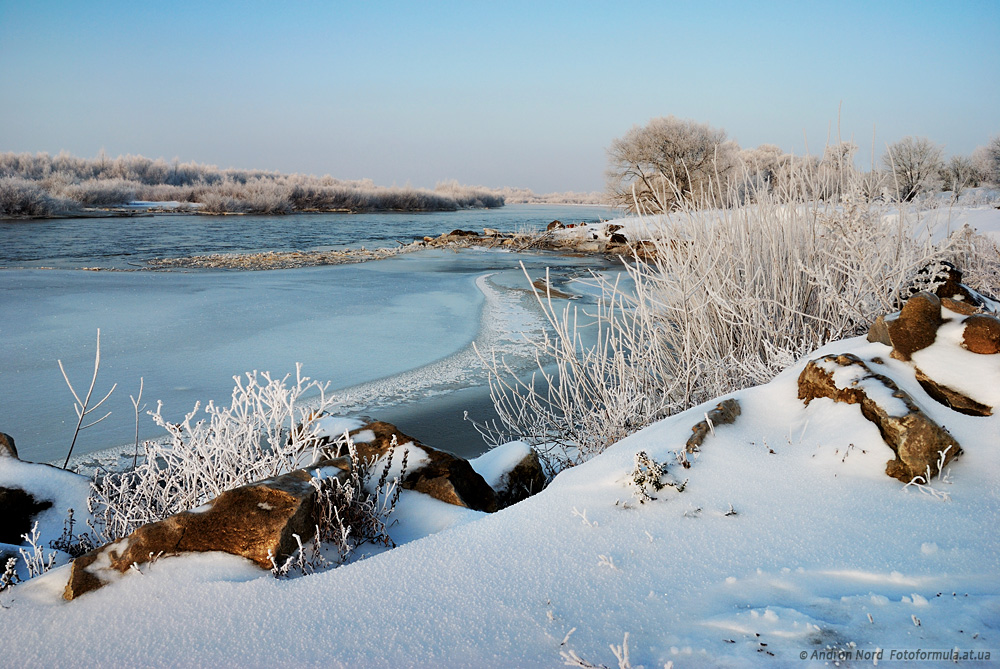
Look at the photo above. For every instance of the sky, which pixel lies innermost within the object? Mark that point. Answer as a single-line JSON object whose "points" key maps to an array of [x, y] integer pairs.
{"points": [[525, 94]]}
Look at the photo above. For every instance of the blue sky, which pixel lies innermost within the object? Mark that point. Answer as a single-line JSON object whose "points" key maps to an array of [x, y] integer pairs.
{"points": [[494, 93]]}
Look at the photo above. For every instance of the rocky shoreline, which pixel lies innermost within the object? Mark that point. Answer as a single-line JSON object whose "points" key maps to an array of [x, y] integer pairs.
{"points": [[602, 239]]}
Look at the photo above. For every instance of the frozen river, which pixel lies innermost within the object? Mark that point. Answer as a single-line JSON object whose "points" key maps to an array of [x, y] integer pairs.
{"points": [[390, 336]]}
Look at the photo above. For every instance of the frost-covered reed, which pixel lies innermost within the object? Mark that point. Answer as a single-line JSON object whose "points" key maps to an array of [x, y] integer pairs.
{"points": [[731, 296]]}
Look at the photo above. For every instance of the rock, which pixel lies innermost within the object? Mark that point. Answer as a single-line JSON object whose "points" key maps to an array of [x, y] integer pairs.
{"points": [[527, 478], [916, 327], [952, 398], [439, 474], [7, 447], [963, 308], [644, 249], [612, 228], [617, 239], [879, 332], [554, 225], [19, 509], [490, 232], [944, 280], [250, 521], [917, 441], [513, 470], [725, 413], [982, 334], [463, 233]]}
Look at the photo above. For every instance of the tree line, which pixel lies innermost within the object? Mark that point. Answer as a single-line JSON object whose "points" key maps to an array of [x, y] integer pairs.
{"points": [[40, 185], [671, 162]]}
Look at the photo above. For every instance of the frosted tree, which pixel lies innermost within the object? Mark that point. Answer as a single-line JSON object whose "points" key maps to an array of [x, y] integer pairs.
{"points": [[915, 164], [668, 161]]}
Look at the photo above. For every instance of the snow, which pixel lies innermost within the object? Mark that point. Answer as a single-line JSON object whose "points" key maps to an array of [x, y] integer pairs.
{"points": [[334, 427], [824, 554], [65, 490]]}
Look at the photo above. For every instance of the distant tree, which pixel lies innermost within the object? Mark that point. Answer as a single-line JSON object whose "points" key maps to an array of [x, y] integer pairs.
{"points": [[986, 160], [915, 165], [667, 161], [959, 174]]}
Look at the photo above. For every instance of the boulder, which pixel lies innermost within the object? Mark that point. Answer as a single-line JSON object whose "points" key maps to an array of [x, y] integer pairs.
{"points": [[463, 233], [617, 239], [554, 225], [879, 332], [916, 326], [251, 521], [951, 398], [436, 473], [917, 441], [513, 470], [19, 509], [982, 334], [7, 448], [527, 478]]}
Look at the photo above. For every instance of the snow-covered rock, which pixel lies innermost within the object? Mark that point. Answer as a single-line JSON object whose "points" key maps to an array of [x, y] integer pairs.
{"points": [[429, 471], [257, 521], [513, 470], [921, 446]]}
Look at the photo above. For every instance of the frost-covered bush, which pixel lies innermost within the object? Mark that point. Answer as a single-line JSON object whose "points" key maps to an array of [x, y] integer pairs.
{"points": [[731, 297], [102, 192], [23, 198], [266, 431]]}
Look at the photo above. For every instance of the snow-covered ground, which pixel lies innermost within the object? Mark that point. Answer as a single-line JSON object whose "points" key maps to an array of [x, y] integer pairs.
{"points": [[788, 542]]}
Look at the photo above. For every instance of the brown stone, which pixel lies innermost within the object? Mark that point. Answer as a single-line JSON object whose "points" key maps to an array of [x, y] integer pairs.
{"points": [[879, 332], [617, 239], [917, 441], [444, 476], [7, 447], [527, 478], [982, 334], [958, 306], [952, 398], [725, 413], [554, 225], [916, 327], [250, 521]]}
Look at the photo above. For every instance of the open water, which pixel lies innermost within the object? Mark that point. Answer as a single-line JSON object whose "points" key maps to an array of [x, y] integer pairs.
{"points": [[393, 337]]}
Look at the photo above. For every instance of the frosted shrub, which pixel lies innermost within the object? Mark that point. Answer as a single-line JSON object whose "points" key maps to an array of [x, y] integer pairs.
{"points": [[349, 514], [731, 297], [266, 431]]}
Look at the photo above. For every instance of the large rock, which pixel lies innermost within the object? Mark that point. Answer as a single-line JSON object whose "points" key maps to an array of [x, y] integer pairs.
{"points": [[982, 334], [951, 398], [253, 521], [513, 470], [436, 473], [7, 447], [917, 441], [916, 326]]}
